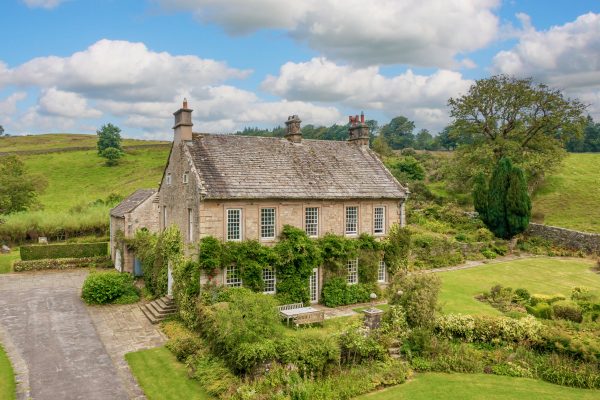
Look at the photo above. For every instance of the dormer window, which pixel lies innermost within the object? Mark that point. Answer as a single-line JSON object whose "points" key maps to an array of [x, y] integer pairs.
{"points": [[185, 177], [168, 179]]}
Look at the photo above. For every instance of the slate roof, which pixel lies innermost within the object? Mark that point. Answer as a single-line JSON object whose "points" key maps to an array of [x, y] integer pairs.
{"points": [[251, 167], [131, 202]]}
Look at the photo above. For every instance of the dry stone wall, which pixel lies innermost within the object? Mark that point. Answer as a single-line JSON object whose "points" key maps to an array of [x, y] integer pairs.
{"points": [[588, 242]]}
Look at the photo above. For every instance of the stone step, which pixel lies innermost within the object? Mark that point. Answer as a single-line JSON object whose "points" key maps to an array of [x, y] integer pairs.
{"points": [[149, 315], [394, 350], [165, 305], [395, 356], [159, 310]]}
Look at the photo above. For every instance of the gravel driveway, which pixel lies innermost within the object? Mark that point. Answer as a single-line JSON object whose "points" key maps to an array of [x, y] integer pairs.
{"points": [[52, 340]]}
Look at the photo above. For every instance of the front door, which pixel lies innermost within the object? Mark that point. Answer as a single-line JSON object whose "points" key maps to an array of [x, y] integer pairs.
{"points": [[313, 285], [137, 267]]}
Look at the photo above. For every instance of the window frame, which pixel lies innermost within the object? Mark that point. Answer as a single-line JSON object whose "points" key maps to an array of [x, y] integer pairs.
{"points": [[185, 178], [168, 179], [236, 280], [346, 231], [272, 279], [352, 271], [164, 217], [239, 222], [382, 267], [314, 223], [190, 216], [383, 208], [273, 225]]}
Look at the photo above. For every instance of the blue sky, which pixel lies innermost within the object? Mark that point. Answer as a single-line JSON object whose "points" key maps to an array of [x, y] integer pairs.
{"points": [[72, 65]]}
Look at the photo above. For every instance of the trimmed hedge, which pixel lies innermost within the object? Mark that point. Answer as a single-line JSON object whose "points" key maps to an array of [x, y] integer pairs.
{"points": [[62, 263], [109, 287], [68, 250]]}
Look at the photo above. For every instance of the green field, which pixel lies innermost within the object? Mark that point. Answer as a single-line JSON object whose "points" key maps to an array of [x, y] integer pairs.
{"points": [[6, 260], [162, 377], [538, 275], [570, 197], [7, 378], [52, 141], [479, 387]]}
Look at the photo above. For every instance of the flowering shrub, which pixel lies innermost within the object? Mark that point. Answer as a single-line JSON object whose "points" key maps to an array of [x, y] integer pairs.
{"points": [[489, 329]]}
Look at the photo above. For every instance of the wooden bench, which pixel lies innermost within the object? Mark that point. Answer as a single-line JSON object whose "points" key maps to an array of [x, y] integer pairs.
{"points": [[292, 306], [309, 318]]}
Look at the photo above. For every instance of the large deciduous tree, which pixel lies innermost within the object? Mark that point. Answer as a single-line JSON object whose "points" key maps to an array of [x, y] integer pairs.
{"points": [[399, 133], [505, 116], [109, 135], [18, 189], [503, 203]]}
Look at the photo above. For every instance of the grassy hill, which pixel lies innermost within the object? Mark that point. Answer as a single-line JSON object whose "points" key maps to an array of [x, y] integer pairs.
{"points": [[570, 198], [77, 179]]}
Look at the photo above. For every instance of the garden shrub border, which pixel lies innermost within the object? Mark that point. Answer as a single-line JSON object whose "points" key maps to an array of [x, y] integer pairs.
{"points": [[63, 250], [62, 263]]}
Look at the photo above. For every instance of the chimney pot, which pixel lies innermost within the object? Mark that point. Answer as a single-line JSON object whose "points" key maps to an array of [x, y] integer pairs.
{"points": [[183, 124], [293, 133], [362, 117], [359, 131]]}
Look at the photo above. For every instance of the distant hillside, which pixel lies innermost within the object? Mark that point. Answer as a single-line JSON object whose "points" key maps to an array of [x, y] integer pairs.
{"points": [[64, 141], [570, 198], [77, 179]]}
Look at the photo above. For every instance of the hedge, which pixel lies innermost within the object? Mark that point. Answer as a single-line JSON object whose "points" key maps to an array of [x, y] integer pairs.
{"points": [[62, 263], [68, 250]]}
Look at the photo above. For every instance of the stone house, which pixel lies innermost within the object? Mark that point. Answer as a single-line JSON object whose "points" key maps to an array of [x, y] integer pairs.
{"points": [[238, 187], [139, 210]]}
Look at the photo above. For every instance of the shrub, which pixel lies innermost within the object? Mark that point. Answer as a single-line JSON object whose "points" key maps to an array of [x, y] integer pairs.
{"points": [[108, 287], [489, 254], [62, 263], [540, 310], [68, 250], [417, 293], [313, 353], [216, 378], [184, 347], [358, 346], [337, 292], [567, 310], [489, 329], [244, 330], [522, 294]]}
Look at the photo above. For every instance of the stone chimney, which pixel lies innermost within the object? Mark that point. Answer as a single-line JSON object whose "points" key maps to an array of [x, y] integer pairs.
{"points": [[358, 130], [292, 132], [183, 124]]}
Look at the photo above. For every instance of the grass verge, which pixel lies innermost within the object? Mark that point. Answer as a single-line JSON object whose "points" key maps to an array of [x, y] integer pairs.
{"points": [[162, 377], [548, 276], [6, 261], [479, 386], [7, 377]]}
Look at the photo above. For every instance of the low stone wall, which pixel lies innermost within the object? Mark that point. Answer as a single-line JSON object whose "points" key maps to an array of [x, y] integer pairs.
{"points": [[588, 242]]}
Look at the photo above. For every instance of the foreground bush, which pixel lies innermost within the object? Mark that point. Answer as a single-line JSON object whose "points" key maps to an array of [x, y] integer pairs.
{"points": [[337, 292], [488, 329], [63, 250], [62, 263], [109, 287]]}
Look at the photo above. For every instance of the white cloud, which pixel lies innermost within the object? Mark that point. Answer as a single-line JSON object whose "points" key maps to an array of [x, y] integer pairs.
{"points": [[416, 32], [65, 104], [43, 3], [566, 57], [422, 97], [115, 68], [8, 106]]}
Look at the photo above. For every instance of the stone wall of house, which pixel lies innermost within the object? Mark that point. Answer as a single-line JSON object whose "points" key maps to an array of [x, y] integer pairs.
{"points": [[143, 216], [332, 216], [588, 242], [179, 197], [116, 224]]}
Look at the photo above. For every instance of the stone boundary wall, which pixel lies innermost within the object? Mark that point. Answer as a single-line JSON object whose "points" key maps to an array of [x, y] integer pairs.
{"points": [[79, 148], [589, 242]]}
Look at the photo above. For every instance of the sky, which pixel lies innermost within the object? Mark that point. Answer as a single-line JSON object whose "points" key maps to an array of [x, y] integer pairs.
{"points": [[73, 65]]}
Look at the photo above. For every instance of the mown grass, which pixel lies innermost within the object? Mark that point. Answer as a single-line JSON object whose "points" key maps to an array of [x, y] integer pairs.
{"points": [[569, 197], [7, 377], [479, 386], [538, 275], [53, 141], [6, 260], [162, 377]]}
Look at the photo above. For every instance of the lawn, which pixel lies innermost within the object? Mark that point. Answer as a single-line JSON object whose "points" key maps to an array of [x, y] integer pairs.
{"points": [[162, 377], [53, 141], [479, 386], [538, 275], [7, 377], [569, 197], [6, 260]]}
